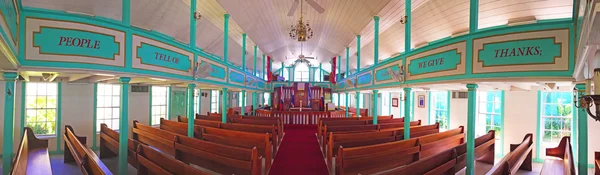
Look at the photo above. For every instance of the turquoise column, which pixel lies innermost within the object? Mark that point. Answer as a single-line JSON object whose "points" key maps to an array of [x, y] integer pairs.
{"points": [[270, 98], [190, 109], [582, 130], [473, 16], [243, 102], [339, 97], [264, 72], [282, 70], [347, 104], [347, 63], [407, 109], [9, 120], [124, 124], [376, 42], [357, 53], [254, 102], [320, 72], [125, 10], [358, 104], [192, 24], [339, 67], [407, 38], [225, 37], [375, 99], [224, 108], [471, 112], [125, 18], [244, 52], [254, 65]]}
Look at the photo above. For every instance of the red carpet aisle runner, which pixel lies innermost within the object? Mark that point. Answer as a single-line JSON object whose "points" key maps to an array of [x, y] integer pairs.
{"points": [[299, 153]]}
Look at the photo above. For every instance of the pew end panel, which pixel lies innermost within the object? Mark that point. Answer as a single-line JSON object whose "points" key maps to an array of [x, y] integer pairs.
{"points": [[78, 152], [68, 155], [564, 162], [442, 163], [31, 148], [151, 161], [519, 158]]}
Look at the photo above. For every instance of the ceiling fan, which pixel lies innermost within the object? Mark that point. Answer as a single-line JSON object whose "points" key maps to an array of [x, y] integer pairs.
{"points": [[312, 3], [301, 56]]}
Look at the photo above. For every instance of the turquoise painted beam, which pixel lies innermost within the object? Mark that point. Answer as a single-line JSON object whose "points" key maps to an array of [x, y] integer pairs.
{"points": [[9, 116], [407, 26], [243, 99], [407, 109], [357, 53], [347, 62], [124, 125], [190, 109], [224, 106], [376, 42], [193, 24], [347, 107], [471, 113], [582, 127], [375, 99], [254, 65], [225, 37]]}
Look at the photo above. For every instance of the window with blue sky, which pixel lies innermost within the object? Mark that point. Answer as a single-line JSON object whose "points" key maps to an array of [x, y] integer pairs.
{"points": [[490, 115], [556, 120]]}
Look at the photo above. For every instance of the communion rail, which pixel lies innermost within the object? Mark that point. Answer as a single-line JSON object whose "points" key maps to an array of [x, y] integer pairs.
{"points": [[301, 117]]}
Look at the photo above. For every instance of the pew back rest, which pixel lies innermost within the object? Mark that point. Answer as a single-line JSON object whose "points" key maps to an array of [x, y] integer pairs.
{"points": [[564, 152], [597, 162], [376, 158], [84, 156], [441, 163], [154, 137], [435, 143], [29, 144], [515, 158], [151, 161]]}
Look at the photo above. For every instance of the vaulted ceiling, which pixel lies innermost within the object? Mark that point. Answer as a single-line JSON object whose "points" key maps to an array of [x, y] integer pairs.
{"points": [[267, 24]]}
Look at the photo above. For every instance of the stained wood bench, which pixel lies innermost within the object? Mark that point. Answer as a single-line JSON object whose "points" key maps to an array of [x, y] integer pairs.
{"points": [[220, 158], [109, 145], [376, 158], [345, 122], [436, 143], [360, 128], [258, 121], [270, 130], [519, 158], [151, 161], [252, 119], [32, 156], [484, 150], [441, 163], [350, 140], [565, 163], [76, 151]]}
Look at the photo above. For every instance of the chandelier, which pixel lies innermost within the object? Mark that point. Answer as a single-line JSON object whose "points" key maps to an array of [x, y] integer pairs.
{"points": [[301, 31]]}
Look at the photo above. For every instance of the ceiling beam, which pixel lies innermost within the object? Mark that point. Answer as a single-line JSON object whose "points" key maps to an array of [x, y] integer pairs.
{"points": [[97, 78], [75, 77]]}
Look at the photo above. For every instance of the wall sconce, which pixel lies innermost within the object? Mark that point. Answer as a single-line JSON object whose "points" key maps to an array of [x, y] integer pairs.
{"points": [[403, 19], [587, 101]]}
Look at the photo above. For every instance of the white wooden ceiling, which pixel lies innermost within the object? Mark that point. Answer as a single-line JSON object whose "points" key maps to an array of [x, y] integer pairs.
{"points": [[267, 24]]}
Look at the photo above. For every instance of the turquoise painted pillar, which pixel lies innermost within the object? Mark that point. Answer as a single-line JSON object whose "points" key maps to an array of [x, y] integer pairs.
{"points": [[376, 42], [357, 53], [254, 65], [244, 36], [320, 72], [124, 124], [225, 37], [254, 102], [192, 24], [473, 16], [582, 130], [270, 99], [264, 68], [224, 108], [347, 62], [407, 38], [375, 99], [347, 103], [339, 62], [190, 109], [243, 102], [471, 113], [407, 109], [126, 14], [339, 97], [9, 120], [358, 105]]}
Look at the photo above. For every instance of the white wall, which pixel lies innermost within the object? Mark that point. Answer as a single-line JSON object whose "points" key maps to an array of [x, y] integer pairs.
{"points": [[458, 112], [421, 113], [396, 110]]}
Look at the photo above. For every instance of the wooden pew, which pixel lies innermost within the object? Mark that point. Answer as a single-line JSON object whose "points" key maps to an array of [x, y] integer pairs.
{"points": [[216, 157], [151, 161], [597, 163], [350, 140], [484, 150], [32, 156], [259, 121], [376, 158], [435, 143], [360, 128], [440, 163], [109, 145], [565, 163], [230, 118], [520, 157], [270, 130], [76, 151], [354, 121]]}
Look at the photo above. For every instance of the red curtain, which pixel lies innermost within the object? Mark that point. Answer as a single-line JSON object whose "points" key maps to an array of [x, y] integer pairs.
{"points": [[333, 72], [269, 69]]}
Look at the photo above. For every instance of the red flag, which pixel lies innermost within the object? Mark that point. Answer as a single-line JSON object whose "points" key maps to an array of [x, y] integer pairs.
{"points": [[269, 69], [333, 72]]}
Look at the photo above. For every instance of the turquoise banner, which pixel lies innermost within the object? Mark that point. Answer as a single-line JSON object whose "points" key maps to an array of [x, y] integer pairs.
{"points": [[532, 51], [443, 61], [57, 41], [236, 77], [158, 56], [217, 71], [364, 79], [383, 74], [9, 12], [261, 84]]}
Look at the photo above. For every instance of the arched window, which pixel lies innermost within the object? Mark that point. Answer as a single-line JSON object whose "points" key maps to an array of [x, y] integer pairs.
{"points": [[301, 72]]}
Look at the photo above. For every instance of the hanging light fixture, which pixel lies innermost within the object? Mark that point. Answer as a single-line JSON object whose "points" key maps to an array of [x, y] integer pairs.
{"points": [[301, 31]]}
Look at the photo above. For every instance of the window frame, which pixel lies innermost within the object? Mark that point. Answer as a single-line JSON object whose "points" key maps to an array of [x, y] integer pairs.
{"points": [[541, 144], [500, 103], [98, 107], [214, 103], [154, 116], [57, 106], [432, 102]]}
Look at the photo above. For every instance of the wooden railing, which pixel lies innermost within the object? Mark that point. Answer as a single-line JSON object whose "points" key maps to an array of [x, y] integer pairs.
{"points": [[301, 118]]}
